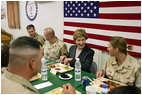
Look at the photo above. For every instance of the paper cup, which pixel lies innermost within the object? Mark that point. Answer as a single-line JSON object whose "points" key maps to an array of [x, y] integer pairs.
{"points": [[90, 90]]}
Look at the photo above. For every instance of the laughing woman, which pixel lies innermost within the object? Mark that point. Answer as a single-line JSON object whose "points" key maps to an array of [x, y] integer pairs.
{"points": [[80, 50]]}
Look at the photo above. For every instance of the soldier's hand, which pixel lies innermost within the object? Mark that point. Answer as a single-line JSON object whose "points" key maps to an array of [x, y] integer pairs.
{"points": [[100, 74], [68, 89]]}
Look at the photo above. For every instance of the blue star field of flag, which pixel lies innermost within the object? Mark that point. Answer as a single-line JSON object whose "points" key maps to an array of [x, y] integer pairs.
{"points": [[81, 9]]}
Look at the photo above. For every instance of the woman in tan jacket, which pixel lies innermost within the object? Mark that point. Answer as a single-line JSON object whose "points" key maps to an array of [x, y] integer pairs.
{"points": [[120, 66]]}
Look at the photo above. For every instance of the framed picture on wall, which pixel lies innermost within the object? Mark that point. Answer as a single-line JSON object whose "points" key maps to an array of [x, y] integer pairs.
{"points": [[31, 9]]}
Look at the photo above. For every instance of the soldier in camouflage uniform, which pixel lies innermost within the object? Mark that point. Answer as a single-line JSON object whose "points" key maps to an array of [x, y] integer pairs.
{"points": [[53, 47], [24, 62], [31, 30], [121, 66]]}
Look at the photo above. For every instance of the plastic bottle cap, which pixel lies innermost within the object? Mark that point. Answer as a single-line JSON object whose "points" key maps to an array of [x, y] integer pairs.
{"points": [[77, 59], [44, 60], [104, 86]]}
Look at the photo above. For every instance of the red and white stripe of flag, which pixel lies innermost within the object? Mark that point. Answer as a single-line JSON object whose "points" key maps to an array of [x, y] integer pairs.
{"points": [[116, 18]]}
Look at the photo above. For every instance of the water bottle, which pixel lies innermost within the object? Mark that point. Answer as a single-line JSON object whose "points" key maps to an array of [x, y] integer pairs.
{"points": [[44, 69], [77, 70], [104, 89]]}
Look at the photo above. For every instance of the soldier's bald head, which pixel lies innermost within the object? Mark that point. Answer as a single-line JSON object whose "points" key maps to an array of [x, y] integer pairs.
{"points": [[49, 31]]}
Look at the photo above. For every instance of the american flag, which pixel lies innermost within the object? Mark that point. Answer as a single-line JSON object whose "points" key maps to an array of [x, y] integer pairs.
{"points": [[102, 20]]}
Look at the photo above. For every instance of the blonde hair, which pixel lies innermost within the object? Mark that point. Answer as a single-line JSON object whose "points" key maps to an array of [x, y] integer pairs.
{"points": [[120, 43], [79, 33]]}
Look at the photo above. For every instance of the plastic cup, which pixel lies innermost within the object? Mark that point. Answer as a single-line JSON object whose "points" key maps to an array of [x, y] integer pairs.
{"points": [[90, 90], [85, 82]]}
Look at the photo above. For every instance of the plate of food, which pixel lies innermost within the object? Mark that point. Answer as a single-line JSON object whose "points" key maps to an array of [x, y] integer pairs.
{"points": [[110, 83], [61, 68], [65, 76], [36, 77], [59, 90]]}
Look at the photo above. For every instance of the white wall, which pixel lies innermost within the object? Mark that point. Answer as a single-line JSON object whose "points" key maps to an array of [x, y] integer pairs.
{"points": [[50, 14]]}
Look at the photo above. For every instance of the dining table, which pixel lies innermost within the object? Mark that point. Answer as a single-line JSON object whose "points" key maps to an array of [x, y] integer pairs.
{"points": [[57, 82]]}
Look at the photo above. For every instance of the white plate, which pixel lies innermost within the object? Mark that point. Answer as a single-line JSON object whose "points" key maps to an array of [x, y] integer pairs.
{"points": [[70, 76], [62, 70]]}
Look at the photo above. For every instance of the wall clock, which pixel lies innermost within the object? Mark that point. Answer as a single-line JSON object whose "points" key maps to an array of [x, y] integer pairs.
{"points": [[31, 9]]}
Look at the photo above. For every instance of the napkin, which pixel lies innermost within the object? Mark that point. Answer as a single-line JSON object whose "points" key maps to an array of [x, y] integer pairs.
{"points": [[53, 71], [43, 85]]}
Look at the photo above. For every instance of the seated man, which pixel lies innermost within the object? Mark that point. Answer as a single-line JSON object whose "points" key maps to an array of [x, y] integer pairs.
{"points": [[25, 55], [53, 47], [33, 34]]}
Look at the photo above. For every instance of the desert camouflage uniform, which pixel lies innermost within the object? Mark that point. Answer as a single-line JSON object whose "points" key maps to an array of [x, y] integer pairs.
{"points": [[128, 73], [39, 38], [55, 50], [14, 84]]}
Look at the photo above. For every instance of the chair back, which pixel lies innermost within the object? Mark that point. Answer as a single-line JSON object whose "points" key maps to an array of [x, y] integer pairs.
{"points": [[4, 54], [93, 68]]}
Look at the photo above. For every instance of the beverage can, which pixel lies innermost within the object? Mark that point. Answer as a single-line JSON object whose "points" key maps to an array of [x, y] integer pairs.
{"points": [[85, 82]]}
